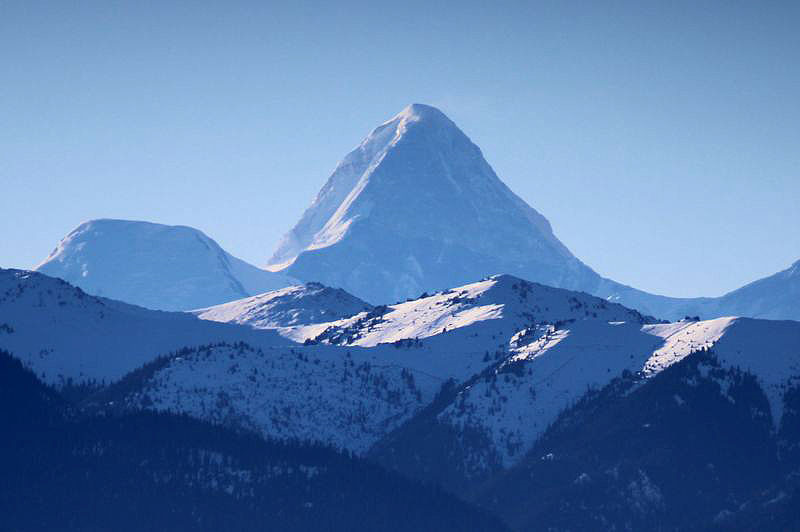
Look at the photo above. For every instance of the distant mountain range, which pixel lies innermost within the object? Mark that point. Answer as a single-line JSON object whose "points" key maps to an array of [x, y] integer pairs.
{"points": [[414, 208]]}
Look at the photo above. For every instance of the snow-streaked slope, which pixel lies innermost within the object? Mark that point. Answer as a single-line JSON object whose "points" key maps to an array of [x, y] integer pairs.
{"points": [[348, 398], [387, 363], [770, 350], [767, 349], [64, 334], [515, 404], [291, 306], [155, 266], [681, 339], [520, 352], [499, 307]]}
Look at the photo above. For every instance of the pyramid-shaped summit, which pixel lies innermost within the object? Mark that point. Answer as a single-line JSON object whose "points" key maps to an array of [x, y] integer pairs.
{"points": [[416, 207]]}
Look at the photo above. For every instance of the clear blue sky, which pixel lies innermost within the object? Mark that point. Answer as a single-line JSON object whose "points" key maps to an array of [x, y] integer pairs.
{"points": [[661, 139]]}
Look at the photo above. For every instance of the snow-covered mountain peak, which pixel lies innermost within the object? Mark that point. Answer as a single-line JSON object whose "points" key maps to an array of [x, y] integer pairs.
{"points": [[539, 302], [153, 265], [420, 111], [290, 306], [413, 116], [416, 207], [424, 115], [77, 237], [338, 204]]}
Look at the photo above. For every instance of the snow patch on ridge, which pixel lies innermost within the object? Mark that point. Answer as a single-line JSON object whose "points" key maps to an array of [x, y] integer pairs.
{"points": [[500, 306], [516, 403], [681, 339]]}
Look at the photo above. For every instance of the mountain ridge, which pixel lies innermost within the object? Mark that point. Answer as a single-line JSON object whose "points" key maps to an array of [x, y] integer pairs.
{"points": [[462, 387], [92, 339]]}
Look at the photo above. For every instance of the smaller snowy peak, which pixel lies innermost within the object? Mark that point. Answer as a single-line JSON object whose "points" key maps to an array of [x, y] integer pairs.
{"points": [[554, 304], [155, 266], [291, 306], [503, 303]]}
